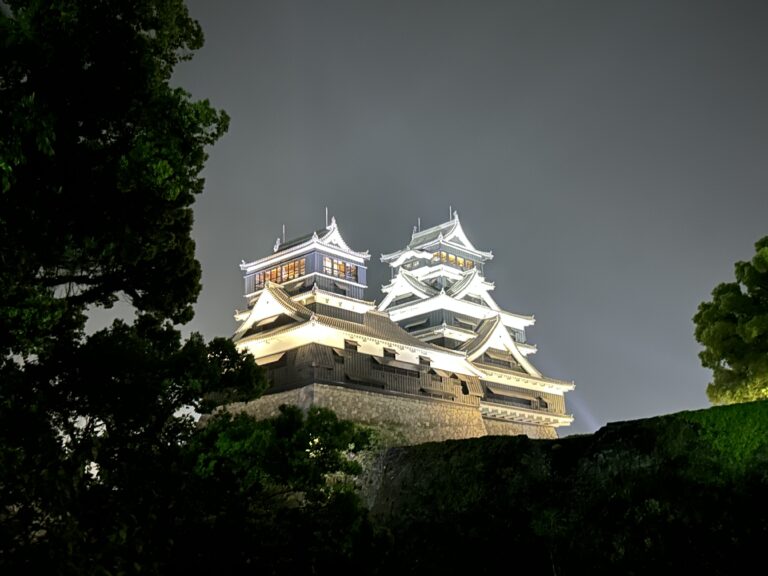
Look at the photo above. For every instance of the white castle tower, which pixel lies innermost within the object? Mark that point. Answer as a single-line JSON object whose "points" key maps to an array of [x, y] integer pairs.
{"points": [[439, 294]]}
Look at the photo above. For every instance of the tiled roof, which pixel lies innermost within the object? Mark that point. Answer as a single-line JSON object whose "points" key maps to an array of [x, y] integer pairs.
{"points": [[431, 234], [315, 354], [484, 332], [378, 325], [417, 284], [375, 324], [301, 239], [460, 285], [517, 371], [286, 301], [521, 372]]}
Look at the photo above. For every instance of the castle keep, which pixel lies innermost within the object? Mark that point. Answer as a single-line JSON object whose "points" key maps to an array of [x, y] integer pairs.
{"points": [[436, 359]]}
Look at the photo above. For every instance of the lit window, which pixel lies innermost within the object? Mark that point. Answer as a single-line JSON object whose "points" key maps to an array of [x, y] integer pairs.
{"points": [[451, 259], [470, 264], [282, 273], [460, 261], [339, 268]]}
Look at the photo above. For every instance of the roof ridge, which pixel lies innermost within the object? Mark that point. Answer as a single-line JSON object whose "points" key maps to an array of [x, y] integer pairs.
{"points": [[284, 299]]}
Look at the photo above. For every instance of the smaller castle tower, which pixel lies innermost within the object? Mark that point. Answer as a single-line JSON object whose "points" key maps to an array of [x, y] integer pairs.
{"points": [[320, 259]]}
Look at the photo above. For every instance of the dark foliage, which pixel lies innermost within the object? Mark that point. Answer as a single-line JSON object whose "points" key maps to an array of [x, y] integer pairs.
{"points": [[676, 494], [733, 328], [99, 163], [102, 470]]}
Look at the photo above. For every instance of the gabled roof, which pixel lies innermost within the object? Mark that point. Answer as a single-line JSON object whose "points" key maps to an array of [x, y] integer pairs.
{"points": [[448, 233], [457, 288], [428, 236], [405, 283], [472, 282], [408, 255], [375, 324], [493, 331], [273, 301], [319, 233], [418, 285], [484, 332], [332, 237], [328, 238], [286, 301]]}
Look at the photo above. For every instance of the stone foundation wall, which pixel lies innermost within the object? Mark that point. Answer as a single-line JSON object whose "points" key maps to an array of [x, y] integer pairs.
{"points": [[503, 428], [397, 419]]}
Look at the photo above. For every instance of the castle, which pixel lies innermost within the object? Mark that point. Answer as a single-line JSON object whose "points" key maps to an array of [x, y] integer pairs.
{"points": [[436, 359]]}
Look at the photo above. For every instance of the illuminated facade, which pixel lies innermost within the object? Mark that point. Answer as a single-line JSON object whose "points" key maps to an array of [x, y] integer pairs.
{"points": [[436, 359], [439, 294], [320, 259]]}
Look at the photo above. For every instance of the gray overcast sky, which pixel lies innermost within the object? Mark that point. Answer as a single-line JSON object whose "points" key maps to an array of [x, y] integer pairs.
{"points": [[613, 155]]}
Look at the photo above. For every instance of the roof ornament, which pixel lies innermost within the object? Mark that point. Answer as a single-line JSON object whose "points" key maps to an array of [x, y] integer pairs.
{"points": [[276, 247], [315, 236], [333, 221], [455, 214], [414, 232], [314, 287]]}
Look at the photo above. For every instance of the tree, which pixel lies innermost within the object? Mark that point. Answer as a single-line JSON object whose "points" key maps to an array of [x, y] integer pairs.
{"points": [[102, 469], [733, 328], [99, 166], [99, 163]]}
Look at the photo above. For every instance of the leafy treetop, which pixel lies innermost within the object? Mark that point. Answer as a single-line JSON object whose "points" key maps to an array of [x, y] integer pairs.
{"points": [[102, 470], [733, 328], [99, 163]]}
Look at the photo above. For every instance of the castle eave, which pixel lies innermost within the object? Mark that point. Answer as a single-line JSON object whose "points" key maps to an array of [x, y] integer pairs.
{"points": [[515, 414]]}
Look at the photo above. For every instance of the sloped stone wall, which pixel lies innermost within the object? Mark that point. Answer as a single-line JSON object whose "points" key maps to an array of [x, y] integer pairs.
{"points": [[397, 419], [503, 428]]}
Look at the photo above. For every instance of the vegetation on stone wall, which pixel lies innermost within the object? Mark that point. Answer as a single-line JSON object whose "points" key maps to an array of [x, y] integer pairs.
{"points": [[685, 492]]}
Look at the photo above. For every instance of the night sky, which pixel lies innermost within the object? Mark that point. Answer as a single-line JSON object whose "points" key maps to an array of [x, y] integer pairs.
{"points": [[613, 156]]}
